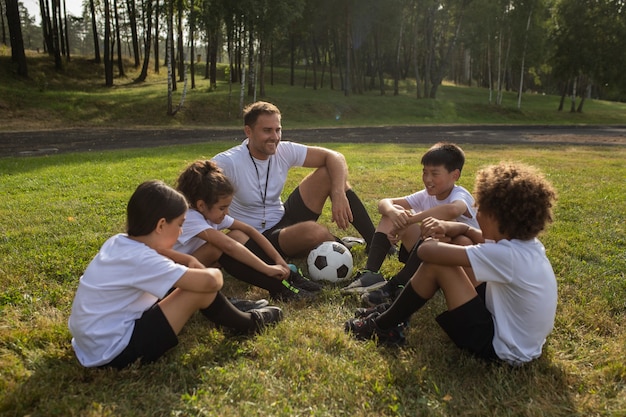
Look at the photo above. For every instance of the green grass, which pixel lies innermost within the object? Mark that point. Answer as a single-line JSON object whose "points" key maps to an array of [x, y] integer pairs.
{"points": [[57, 210], [77, 97]]}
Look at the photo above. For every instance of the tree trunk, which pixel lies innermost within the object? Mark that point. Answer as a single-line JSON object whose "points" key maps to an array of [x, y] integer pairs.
{"points": [[521, 77], [118, 37], [573, 96], [147, 6], [15, 34], [131, 7], [157, 64], [180, 44], [67, 36], [94, 32], [108, 64]]}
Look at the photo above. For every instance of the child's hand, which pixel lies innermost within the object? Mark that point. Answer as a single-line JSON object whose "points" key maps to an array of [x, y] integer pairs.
{"points": [[278, 271], [194, 263], [399, 217], [433, 228]]}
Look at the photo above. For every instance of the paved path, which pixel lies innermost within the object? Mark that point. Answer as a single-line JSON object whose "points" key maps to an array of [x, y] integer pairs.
{"points": [[94, 139]]}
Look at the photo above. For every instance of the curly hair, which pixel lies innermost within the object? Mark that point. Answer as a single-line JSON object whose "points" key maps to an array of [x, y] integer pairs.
{"points": [[204, 180], [518, 196]]}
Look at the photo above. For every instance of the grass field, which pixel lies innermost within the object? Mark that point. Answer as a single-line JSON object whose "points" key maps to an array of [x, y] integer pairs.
{"points": [[57, 210]]}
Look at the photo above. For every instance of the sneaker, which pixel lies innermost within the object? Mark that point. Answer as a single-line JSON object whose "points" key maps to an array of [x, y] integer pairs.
{"points": [[266, 316], [364, 282], [350, 241], [297, 280], [360, 313], [365, 328], [383, 295], [247, 305], [290, 293]]}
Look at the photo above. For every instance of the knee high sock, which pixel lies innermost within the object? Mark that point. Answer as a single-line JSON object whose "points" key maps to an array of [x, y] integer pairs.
{"points": [[379, 248], [407, 303], [361, 218], [250, 275], [223, 313], [256, 249], [409, 269]]}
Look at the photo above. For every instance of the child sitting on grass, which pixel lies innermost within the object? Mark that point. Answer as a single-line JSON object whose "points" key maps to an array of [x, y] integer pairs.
{"points": [[122, 311], [441, 198], [243, 252], [501, 292]]}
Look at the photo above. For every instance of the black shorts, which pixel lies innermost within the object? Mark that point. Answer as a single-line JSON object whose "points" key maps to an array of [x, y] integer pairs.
{"points": [[295, 212], [152, 337], [470, 326]]}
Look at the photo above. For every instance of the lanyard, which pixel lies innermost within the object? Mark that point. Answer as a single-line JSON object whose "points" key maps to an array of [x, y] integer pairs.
{"points": [[263, 194]]}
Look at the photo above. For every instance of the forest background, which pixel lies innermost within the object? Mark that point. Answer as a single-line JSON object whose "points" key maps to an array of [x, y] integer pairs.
{"points": [[563, 47]]}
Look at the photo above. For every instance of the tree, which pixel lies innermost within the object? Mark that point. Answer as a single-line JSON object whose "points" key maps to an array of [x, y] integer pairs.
{"points": [[18, 55]]}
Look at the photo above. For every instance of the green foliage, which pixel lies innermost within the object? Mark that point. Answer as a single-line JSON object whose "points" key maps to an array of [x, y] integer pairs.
{"points": [[58, 210], [77, 97]]}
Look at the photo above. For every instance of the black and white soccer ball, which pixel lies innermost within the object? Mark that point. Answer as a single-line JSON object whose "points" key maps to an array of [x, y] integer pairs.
{"points": [[331, 262]]}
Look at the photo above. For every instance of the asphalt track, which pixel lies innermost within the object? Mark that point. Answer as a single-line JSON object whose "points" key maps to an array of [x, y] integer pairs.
{"points": [[44, 142]]}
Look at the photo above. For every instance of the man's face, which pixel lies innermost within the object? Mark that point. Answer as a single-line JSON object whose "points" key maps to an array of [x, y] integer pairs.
{"points": [[264, 136]]}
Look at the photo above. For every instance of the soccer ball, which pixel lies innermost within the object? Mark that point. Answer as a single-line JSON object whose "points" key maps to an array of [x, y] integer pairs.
{"points": [[330, 261]]}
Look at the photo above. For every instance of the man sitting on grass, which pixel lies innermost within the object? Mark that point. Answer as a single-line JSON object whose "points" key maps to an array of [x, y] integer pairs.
{"points": [[500, 292]]}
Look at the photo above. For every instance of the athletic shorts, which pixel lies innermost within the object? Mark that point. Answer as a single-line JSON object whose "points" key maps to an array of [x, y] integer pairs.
{"points": [[470, 326], [152, 337], [295, 212]]}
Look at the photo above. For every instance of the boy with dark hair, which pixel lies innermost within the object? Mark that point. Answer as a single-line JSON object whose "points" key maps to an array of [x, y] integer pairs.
{"points": [[401, 217], [501, 292]]}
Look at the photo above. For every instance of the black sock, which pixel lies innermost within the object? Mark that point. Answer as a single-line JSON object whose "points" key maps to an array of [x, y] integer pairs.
{"points": [[379, 248], [361, 218], [250, 275], [407, 303], [256, 249], [223, 313], [408, 270]]}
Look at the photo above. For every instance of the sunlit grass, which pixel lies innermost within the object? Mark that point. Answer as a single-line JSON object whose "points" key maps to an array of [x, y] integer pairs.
{"points": [[57, 211]]}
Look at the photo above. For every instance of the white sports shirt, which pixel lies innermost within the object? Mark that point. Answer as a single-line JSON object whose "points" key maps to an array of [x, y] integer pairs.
{"points": [[123, 280], [421, 200], [521, 295], [249, 176], [195, 223]]}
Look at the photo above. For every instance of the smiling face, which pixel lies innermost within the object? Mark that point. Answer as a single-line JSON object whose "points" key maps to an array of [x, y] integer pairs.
{"points": [[438, 181], [264, 135], [217, 211]]}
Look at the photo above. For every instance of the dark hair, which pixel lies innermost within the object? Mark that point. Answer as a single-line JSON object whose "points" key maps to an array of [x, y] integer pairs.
{"points": [[518, 196], [151, 202], [204, 180], [449, 155], [252, 112]]}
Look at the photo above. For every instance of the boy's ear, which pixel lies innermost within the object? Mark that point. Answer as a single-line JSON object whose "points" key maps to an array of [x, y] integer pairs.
{"points": [[160, 224], [456, 174]]}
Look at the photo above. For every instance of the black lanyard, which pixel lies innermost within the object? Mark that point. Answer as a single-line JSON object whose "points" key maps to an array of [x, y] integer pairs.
{"points": [[267, 180]]}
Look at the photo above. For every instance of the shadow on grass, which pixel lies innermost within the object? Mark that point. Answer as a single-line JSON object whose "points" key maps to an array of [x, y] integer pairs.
{"points": [[59, 386], [434, 376]]}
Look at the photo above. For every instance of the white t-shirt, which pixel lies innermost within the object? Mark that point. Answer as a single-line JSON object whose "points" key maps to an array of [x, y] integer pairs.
{"points": [[421, 200], [255, 179], [123, 280], [521, 295], [195, 223]]}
